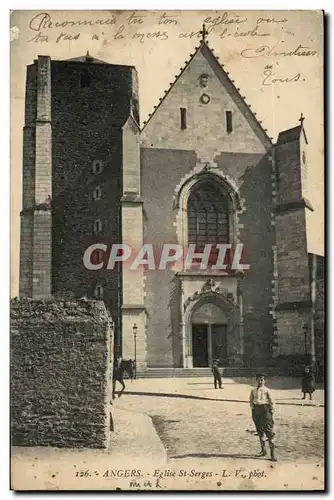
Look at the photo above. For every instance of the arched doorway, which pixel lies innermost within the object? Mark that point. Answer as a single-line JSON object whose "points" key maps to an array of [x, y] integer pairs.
{"points": [[208, 323]]}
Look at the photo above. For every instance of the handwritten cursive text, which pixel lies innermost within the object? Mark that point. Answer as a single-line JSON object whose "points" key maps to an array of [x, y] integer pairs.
{"points": [[267, 51], [43, 21], [270, 78]]}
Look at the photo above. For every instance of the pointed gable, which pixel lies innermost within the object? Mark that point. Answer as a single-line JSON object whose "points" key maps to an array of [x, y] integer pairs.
{"points": [[193, 111], [234, 93]]}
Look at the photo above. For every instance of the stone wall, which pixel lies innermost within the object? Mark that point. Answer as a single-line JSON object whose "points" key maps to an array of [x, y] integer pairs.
{"points": [[133, 309], [36, 224], [58, 158], [319, 324], [170, 156], [251, 173], [293, 309], [163, 171], [61, 358], [87, 126]]}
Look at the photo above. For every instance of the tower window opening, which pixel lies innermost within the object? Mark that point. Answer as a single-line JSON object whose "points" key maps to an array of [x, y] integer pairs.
{"points": [[97, 226], [97, 256], [98, 292], [229, 127], [97, 167], [97, 193]]}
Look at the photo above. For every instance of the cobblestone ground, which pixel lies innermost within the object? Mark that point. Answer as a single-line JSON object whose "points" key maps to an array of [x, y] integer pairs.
{"points": [[205, 432], [194, 420]]}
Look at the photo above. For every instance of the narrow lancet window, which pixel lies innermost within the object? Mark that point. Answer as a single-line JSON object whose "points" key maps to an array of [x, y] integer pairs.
{"points": [[229, 126]]}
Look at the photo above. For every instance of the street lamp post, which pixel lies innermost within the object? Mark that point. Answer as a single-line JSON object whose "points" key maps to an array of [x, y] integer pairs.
{"points": [[135, 329]]}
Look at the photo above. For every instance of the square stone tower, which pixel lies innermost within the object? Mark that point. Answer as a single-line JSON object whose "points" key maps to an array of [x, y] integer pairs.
{"points": [[77, 146]]}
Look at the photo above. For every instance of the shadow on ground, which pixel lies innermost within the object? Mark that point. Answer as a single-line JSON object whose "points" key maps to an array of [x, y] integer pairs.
{"points": [[215, 455], [200, 383], [281, 383]]}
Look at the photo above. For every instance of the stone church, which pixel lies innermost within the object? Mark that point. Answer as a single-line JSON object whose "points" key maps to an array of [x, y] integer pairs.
{"points": [[201, 170]]}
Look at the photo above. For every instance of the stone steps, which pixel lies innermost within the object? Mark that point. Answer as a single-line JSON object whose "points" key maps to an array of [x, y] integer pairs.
{"points": [[206, 372]]}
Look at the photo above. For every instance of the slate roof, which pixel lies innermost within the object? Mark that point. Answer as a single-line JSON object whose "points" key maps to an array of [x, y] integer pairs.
{"points": [[226, 81], [93, 60], [292, 134], [87, 58]]}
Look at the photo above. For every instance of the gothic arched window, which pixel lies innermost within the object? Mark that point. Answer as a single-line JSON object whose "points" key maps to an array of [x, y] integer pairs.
{"points": [[208, 215]]}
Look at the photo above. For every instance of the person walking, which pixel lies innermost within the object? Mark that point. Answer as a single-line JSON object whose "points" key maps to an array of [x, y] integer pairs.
{"points": [[117, 376], [263, 408], [217, 379], [308, 382]]}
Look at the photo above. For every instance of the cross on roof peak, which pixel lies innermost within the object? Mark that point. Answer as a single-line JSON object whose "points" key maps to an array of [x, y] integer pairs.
{"points": [[204, 32], [302, 118]]}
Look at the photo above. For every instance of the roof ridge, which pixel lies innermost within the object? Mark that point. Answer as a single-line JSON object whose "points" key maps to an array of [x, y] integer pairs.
{"points": [[291, 134], [86, 58], [91, 60], [289, 129]]}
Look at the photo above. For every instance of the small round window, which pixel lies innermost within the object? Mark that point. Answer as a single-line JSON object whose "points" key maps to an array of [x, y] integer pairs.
{"points": [[205, 98]]}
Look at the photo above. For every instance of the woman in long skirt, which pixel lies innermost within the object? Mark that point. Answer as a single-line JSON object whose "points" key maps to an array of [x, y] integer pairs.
{"points": [[308, 382]]}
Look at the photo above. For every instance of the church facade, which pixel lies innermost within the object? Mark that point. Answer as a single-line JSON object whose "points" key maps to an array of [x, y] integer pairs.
{"points": [[200, 171]]}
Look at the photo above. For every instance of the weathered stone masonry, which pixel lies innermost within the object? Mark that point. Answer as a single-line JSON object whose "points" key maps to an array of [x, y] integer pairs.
{"points": [[61, 357], [75, 111], [147, 177], [36, 217], [169, 159]]}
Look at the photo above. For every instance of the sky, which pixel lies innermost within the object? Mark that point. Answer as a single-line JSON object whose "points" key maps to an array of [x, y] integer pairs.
{"points": [[275, 58]]}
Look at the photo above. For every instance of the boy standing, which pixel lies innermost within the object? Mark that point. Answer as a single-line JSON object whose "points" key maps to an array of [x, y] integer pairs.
{"points": [[263, 408], [217, 379]]}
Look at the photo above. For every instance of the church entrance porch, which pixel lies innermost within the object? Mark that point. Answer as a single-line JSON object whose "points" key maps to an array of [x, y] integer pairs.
{"points": [[212, 322], [208, 343]]}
